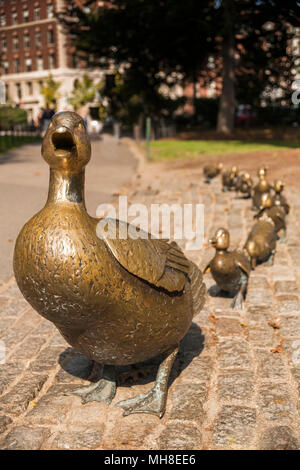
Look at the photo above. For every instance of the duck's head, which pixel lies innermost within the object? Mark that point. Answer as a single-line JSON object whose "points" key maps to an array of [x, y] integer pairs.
{"points": [[220, 166], [252, 248], [66, 144], [234, 170], [221, 240], [278, 186], [262, 172], [266, 201]]}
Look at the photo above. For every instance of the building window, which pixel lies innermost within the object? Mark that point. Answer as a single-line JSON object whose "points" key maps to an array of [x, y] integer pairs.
{"points": [[16, 66], [29, 88], [19, 91], [3, 43], [14, 17], [15, 42], [28, 64], [38, 42], [39, 63], [26, 16], [50, 36], [74, 61], [52, 61], [26, 41], [5, 67], [2, 20], [50, 10], [36, 13]]}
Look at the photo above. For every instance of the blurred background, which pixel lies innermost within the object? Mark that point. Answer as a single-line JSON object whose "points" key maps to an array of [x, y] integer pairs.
{"points": [[192, 70]]}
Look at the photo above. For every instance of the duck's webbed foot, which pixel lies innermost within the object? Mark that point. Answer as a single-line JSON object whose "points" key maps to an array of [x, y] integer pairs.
{"points": [[153, 402], [103, 390], [282, 239]]}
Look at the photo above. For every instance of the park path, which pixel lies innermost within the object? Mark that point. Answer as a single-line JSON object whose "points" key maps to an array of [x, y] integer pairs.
{"points": [[24, 181], [235, 383]]}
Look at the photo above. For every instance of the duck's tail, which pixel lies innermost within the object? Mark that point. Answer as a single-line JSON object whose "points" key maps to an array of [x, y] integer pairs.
{"points": [[198, 288]]}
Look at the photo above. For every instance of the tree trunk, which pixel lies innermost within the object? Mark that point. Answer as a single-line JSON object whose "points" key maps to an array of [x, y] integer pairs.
{"points": [[226, 112]]}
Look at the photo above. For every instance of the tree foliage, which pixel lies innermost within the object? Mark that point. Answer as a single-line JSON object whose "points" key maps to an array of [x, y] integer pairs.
{"points": [[49, 90], [84, 91], [166, 42]]}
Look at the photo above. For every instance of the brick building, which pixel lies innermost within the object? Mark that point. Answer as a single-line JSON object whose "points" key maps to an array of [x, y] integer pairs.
{"points": [[33, 45]]}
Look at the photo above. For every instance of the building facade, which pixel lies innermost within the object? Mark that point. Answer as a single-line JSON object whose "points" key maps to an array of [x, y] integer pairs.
{"points": [[33, 46]]}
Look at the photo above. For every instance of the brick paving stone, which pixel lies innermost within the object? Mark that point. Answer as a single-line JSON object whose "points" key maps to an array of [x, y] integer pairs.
{"points": [[78, 438], [187, 402], [228, 327], [271, 366], [17, 400], [278, 438], [235, 427], [24, 438], [234, 354], [276, 404], [4, 422], [180, 436], [235, 385]]}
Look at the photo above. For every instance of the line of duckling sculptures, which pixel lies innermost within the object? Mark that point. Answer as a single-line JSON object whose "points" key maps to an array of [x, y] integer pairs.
{"points": [[231, 269]]}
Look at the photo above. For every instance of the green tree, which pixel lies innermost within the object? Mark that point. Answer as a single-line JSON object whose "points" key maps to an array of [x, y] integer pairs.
{"points": [[49, 90], [84, 91]]}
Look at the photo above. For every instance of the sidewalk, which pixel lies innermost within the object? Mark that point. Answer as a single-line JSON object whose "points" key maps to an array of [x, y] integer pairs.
{"points": [[235, 383], [24, 179]]}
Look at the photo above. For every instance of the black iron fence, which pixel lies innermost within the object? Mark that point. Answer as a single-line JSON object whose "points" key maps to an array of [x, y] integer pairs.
{"points": [[15, 138]]}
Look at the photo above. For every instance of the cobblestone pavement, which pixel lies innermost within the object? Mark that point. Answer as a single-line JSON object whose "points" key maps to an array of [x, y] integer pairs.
{"points": [[234, 385]]}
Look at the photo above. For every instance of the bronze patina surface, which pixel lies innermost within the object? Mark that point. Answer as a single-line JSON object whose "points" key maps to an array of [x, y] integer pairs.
{"points": [[274, 212], [230, 269], [261, 242], [229, 179], [211, 171], [261, 188], [116, 300], [279, 199], [244, 185]]}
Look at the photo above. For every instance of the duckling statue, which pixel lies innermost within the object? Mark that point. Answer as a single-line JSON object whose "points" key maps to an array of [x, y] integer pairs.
{"points": [[261, 242], [229, 179], [211, 171], [262, 187], [117, 300], [274, 212], [279, 199], [230, 269], [244, 185]]}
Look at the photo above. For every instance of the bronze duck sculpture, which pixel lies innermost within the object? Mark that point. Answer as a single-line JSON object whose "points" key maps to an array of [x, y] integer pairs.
{"points": [[261, 188], [229, 179], [244, 185], [274, 212], [278, 198], [117, 300], [211, 171], [230, 269], [261, 242]]}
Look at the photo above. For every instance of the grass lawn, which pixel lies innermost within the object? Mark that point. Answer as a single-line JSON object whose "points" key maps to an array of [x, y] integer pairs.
{"points": [[174, 149]]}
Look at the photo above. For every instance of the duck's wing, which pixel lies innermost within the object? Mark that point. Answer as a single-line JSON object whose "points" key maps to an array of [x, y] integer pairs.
{"points": [[242, 260], [156, 261]]}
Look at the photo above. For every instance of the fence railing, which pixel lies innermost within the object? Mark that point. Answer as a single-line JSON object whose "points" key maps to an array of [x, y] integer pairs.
{"points": [[11, 139]]}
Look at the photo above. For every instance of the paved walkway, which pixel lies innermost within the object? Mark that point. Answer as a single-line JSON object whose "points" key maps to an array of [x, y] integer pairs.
{"points": [[24, 181], [235, 383]]}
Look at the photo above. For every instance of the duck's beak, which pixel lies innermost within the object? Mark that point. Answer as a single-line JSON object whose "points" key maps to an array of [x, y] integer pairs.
{"points": [[63, 141]]}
